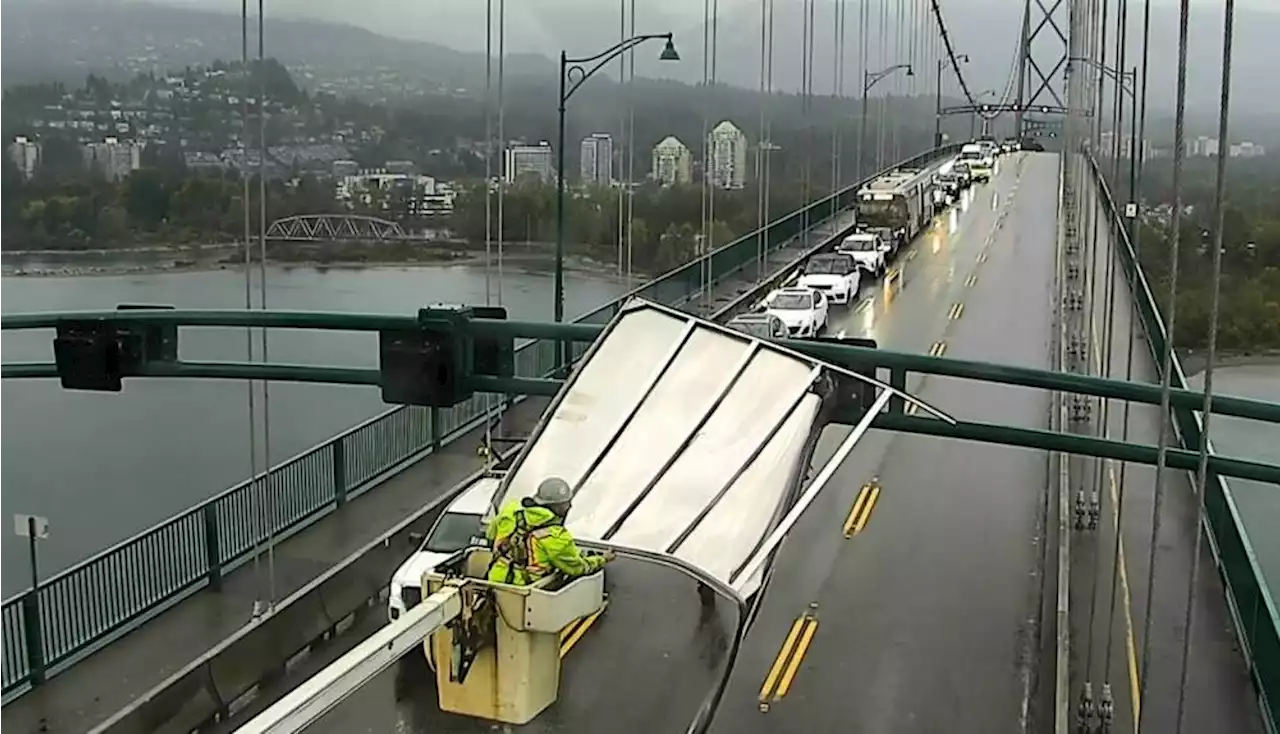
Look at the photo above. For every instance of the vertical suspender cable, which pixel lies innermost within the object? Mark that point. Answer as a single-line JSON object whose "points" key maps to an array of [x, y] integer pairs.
{"points": [[262, 286], [882, 104], [1202, 467], [1137, 163], [762, 139], [255, 500], [1094, 348], [488, 205], [837, 93], [864, 55], [1166, 373], [631, 152], [707, 157], [709, 241], [502, 135], [1122, 42], [623, 99], [488, 148]]}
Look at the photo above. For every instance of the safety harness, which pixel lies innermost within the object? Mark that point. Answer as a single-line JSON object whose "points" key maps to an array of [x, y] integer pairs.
{"points": [[517, 548]]}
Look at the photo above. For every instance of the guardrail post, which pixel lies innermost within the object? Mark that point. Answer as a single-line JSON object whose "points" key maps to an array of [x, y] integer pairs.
{"points": [[33, 636], [339, 471], [898, 379], [212, 546]]}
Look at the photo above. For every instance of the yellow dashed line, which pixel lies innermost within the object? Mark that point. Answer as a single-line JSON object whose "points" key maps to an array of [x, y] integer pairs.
{"points": [[971, 281], [862, 506], [939, 348], [571, 635], [982, 257], [787, 663], [956, 309]]}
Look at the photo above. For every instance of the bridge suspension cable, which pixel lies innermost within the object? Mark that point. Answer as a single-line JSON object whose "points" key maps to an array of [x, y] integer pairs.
{"points": [[1219, 214], [261, 507], [710, 16], [1175, 242], [1137, 115], [1102, 468]]}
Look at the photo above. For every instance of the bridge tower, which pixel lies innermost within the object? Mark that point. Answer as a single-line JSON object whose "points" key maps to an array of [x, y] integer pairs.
{"points": [[1044, 54]]}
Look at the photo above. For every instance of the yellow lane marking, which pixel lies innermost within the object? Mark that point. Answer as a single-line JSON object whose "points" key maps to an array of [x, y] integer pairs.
{"points": [[863, 306], [982, 257], [862, 506], [938, 349], [912, 409], [911, 255], [809, 631], [956, 309], [1131, 650], [1130, 644], [971, 281], [787, 663], [570, 635]]}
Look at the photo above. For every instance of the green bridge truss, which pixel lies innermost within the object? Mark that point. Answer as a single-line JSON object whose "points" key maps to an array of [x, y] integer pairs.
{"points": [[94, 602]]}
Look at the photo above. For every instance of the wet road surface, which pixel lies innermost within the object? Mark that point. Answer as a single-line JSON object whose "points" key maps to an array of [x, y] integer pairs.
{"points": [[926, 614]]}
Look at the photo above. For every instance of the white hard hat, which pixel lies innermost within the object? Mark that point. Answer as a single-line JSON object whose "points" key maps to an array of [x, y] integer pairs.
{"points": [[553, 491]]}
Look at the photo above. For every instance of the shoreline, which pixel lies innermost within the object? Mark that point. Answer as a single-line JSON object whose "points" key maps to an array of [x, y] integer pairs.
{"points": [[78, 266]]}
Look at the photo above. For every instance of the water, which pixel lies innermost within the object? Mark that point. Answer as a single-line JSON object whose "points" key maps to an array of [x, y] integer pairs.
{"points": [[1257, 503], [103, 466]]}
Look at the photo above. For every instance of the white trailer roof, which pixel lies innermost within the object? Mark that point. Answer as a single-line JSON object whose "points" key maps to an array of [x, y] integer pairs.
{"points": [[680, 436]]}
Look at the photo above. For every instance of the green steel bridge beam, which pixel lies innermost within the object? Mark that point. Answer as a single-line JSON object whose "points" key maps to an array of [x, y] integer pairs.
{"points": [[843, 355], [899, 365]]}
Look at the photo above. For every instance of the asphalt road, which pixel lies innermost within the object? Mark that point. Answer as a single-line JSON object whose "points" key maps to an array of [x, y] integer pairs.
{"points": [[1219, 696], [926, 615], [923, 619]]}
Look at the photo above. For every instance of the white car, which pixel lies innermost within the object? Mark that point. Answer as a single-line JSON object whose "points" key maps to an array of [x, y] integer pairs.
{"points": [[462, 524], [867, 249], [835, 274], [802, 310]]}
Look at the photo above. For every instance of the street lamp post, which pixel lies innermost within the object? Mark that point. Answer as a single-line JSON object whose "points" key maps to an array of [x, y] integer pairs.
{"points": [[1125, 80], [869, 80], [573, 73], [937, 106]]}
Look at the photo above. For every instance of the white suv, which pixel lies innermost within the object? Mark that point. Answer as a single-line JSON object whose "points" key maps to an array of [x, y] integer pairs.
{"points": [[835, 274], [802, 310], [867, 251]]}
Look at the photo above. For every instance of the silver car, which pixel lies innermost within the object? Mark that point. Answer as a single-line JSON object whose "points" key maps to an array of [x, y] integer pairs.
{"points": [[759, 325]]}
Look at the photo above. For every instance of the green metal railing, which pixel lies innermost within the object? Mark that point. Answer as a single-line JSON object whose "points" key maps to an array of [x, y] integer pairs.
{"points": [[1250, 600], [100, 599]]}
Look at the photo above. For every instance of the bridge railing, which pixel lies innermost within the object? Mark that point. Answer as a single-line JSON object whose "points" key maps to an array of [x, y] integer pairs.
{"points": [[1248, 596], [102, 598]]}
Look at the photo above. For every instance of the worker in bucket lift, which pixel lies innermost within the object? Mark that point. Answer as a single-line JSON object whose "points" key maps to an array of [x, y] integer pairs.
{"points": [[530, 541]]}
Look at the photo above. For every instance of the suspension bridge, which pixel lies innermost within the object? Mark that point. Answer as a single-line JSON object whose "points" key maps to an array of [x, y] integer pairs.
{"points": [[1065, 556]]}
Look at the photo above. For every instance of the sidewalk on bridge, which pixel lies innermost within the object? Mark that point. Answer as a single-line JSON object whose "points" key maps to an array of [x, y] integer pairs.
{"points": [[94, 689]]}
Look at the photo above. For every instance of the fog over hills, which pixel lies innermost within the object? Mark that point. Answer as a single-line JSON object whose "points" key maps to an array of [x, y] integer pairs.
{"points": [[445, 40]]}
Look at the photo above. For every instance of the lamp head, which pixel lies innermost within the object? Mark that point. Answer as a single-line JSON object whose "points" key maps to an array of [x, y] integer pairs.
{"points": [[910, 72], [669, 52]]}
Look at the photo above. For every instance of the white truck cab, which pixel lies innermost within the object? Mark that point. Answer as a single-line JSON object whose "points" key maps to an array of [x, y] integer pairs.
{"points": [[835, 274], [462, 524], [867, 250], [978, 159]]}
